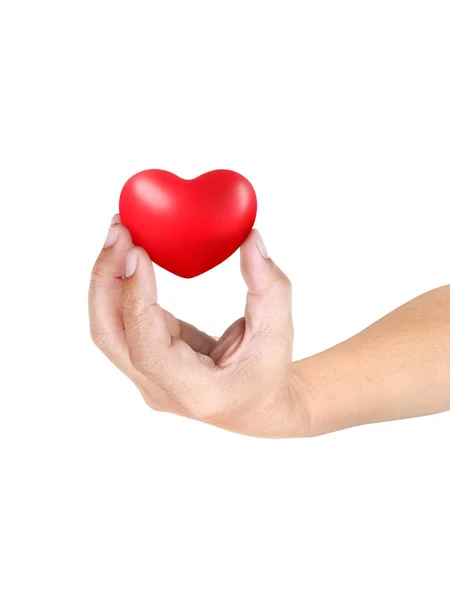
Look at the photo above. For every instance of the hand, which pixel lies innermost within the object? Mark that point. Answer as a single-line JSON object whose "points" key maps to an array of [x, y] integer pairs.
{"points": [[243, 382]]}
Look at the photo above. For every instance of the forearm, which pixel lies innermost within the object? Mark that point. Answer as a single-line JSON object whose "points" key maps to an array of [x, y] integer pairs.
{"points": [[399, 367]]}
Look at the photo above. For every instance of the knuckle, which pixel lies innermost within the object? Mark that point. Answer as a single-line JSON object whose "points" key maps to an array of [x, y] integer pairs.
{"points": [[208, 408], [205, 411], [280, 286], [101, 338], [137, 316], [97, 278], [153, 404], [134, 305], [150, 400], [284, 283], [143, 360], [107, 343]]}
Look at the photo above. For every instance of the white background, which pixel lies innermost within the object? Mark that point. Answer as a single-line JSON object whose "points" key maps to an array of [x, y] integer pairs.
{"points": [[338, 113]]}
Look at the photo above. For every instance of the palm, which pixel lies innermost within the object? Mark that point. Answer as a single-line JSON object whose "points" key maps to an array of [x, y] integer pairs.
{"points": [[209, 350]]}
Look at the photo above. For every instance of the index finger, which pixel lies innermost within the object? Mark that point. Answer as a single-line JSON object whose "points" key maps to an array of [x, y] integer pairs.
{"points": [[169, 362]]}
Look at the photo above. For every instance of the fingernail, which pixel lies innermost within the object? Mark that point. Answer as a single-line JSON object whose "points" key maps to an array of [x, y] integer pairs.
{"points": [[261, 246], [111, 237], [130, 263], [116, 219]]}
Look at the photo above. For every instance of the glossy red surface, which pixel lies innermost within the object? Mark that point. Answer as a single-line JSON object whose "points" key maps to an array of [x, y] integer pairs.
{"points": [[188, 226]]}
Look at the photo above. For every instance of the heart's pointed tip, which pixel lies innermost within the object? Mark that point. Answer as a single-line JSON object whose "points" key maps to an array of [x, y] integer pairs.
{"points": [[184, 275], [190, 276]]}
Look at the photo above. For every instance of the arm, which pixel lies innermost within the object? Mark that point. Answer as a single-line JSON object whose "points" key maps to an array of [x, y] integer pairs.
{"points": [[399, 367]]}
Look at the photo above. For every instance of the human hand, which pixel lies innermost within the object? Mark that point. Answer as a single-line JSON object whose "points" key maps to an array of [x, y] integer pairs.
{"points": [[243, 381]]}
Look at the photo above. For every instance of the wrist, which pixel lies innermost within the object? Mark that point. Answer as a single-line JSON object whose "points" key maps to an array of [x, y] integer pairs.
{"points": [[324, 390]]}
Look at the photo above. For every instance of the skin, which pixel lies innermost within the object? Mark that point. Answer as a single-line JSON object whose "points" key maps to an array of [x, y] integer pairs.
{"points": [[245, 381]]}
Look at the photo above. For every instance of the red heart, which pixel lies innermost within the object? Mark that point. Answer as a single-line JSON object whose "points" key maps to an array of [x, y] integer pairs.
{"points": [[188, 226]]}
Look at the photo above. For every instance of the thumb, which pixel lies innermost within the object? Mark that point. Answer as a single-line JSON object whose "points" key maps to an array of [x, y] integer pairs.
{"points": [[269, 298]]}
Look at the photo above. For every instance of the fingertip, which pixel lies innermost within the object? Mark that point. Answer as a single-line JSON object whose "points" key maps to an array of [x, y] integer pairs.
{"points": [[260, 244], [118, 235], [140, 272], [254, 242], [136, 256], [142, 256], [247, 246], [111, 259], [131, 260], [249, 239], [111, 238], [254, 264]]}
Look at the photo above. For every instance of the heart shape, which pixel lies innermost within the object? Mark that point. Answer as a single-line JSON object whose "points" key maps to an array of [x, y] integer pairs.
{"points": [[188, 226]]}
